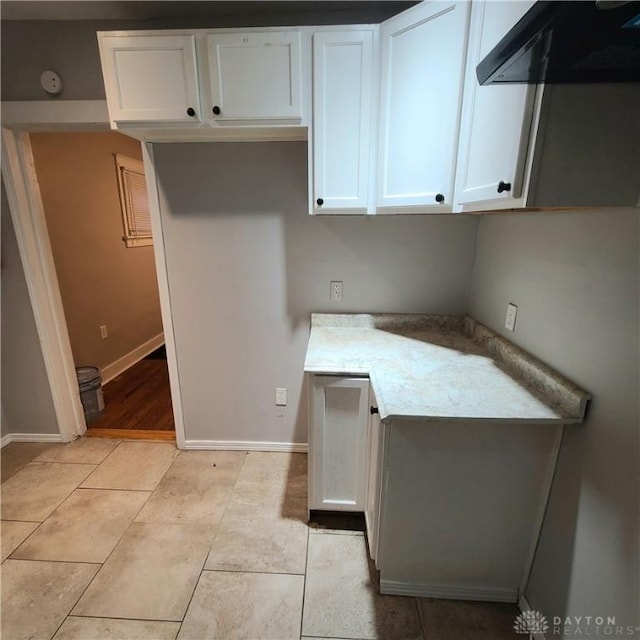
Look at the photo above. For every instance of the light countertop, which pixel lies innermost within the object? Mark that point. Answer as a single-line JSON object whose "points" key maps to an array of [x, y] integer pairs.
{"points": [[441, 368]]}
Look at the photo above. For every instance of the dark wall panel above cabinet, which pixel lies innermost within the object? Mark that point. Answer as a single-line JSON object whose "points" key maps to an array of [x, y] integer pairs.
{"points": [[588, 147]]}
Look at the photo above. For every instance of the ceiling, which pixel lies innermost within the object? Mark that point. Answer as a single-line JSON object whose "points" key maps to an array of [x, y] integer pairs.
{"points": [[170, 9]]}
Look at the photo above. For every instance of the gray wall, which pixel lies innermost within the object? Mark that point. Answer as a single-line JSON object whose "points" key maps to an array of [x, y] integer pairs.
{"points": [[4, 424], [101, 280], [247, 265], [70, 47], [27, 405], [575, 277]]}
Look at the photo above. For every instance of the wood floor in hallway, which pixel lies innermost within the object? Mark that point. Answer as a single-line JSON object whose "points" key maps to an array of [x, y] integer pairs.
{"points": [[138, 399]]}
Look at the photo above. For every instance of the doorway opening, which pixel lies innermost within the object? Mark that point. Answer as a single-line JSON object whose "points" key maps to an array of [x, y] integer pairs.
{"points": [[102, 248]]}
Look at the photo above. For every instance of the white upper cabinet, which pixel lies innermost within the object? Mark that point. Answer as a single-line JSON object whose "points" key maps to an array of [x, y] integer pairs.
{"points": [[496, 120], [423, 56], [150, 78], [342, 103], [255, 75]]}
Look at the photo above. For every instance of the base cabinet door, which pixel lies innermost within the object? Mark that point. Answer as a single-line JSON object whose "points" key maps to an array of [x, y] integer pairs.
{"points": [[338, 473], [151, 78], [374, 481], [496, 119]]}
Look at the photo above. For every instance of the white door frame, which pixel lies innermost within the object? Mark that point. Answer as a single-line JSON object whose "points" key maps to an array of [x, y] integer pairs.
{"points": [[27, 214]]}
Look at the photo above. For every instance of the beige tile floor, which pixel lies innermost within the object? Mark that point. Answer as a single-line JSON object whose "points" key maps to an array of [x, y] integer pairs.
{"points": [[138, 541]]}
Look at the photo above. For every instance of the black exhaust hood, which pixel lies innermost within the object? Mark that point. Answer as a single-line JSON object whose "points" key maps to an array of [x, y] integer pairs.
{"points": [[568, 42]]}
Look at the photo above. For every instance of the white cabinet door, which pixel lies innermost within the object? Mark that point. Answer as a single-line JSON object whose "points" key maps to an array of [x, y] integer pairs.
{"points": [[255, 76], [374, 485], [423, 52], [342, 96], [150, 78], [496, 120], [338, 443]]}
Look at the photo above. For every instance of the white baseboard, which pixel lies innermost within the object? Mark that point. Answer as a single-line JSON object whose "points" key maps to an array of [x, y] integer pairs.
{"points": [[485, 594], [241, 445], [29, 437], [524, 605], [114, 369]]}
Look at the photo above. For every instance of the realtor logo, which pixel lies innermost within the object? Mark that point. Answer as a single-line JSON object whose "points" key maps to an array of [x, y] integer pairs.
{"points": [[531, 622]]}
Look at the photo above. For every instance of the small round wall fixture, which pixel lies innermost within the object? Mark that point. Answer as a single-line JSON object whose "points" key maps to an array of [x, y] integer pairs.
{"points": [[51, 82]]}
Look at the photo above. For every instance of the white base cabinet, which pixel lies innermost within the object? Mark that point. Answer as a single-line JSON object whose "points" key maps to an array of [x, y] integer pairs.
{"points": [[452, 509], [461, 507], [338, 462]]}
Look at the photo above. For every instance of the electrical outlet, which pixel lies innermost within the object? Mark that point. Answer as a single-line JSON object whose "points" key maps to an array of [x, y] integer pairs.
{"points": [[103, 331], [281, 396], [336, 291], [512, 314]]}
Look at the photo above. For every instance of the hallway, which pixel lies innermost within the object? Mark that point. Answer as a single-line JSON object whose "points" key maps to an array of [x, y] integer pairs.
{"points": [[139, 399]]}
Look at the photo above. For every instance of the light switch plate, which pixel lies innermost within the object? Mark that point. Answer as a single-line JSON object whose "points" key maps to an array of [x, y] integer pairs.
{"points": [[512, 314]]}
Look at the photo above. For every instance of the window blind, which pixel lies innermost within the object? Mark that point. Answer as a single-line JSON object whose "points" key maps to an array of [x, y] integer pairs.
{"points": [[134, 202]]}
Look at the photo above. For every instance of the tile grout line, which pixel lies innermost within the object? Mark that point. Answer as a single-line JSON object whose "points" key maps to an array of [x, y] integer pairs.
{"points": [[35, 460], [421, 620], [259, 573], [40, 523], [193, 591], [59, 504], [26, 463], [306, 569], [175, 457], [77, 600], [119, 539], [110, 453], [57, 561], [149, 491], [65, 500], [78, 488], [26, 521], [126, 619], [94, 464], [133, 521], [202, 569]]}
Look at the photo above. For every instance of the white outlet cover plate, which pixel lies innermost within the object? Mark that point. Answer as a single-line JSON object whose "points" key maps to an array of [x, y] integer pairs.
{"points": [[281, 397], [335, 291], [512, 314]]}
